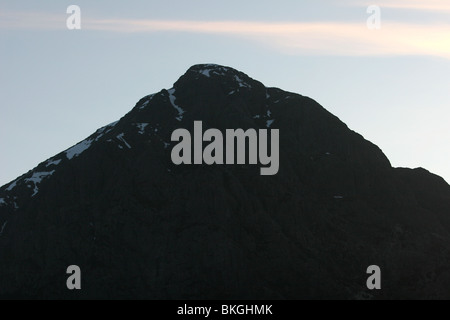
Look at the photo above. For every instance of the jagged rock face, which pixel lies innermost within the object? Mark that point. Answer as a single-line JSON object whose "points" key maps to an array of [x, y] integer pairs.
{"points": [[141, 227]]}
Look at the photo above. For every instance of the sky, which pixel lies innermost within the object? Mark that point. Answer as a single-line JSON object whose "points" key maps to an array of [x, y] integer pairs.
{"points": [[381, 66]]}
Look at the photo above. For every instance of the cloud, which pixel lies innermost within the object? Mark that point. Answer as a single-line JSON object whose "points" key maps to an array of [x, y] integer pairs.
{"points": [[326, 38], [317, 38], [427, 5]]}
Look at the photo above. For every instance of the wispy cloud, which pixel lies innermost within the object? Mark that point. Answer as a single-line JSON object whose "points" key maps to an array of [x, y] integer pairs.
{"points": [[328, 38], [428, 5], [323, 38]]}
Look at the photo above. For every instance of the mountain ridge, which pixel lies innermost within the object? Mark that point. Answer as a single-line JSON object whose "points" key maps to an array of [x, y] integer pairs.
{"points": [[141, 227]]}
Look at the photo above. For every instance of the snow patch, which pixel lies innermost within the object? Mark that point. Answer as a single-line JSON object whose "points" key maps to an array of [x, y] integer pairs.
{"points": [[101, 130], [172, 99], [206, 72], [241, 82], [257, 116], [2, 202], [78, 149], [36, 178], [104, 130], [149, 97], [12, 186], [166, 145], [121, 138], [232, 92], [141, 127], [53, 162], [270, 121], [213, 69]]}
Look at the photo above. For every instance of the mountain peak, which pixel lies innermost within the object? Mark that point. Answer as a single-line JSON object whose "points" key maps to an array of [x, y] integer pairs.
{"points": [[141, 226], [218, 73], [211, 69]]}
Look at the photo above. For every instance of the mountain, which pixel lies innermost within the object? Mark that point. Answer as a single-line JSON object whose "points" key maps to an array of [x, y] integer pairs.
{"points": [[140, 226]]}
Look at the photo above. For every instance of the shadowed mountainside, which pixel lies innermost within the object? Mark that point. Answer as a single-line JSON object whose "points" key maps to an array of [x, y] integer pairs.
{"points": [[140, 227]]}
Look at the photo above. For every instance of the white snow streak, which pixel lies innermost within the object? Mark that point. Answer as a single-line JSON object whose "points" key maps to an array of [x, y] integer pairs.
{"points": [[102, 131], [78, 149], [206, 73], [141, 127], [121, 138], [172, 101], [149, 97], [212, 69], [36, 178], [53, 162], [241, 82], [12, 186]]}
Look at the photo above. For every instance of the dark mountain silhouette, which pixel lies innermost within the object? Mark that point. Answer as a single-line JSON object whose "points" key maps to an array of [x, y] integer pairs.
{"points": [[141, 227]]}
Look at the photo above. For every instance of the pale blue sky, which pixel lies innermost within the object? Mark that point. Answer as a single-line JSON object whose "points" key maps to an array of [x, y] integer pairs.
{"points": [[57, 86]]}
